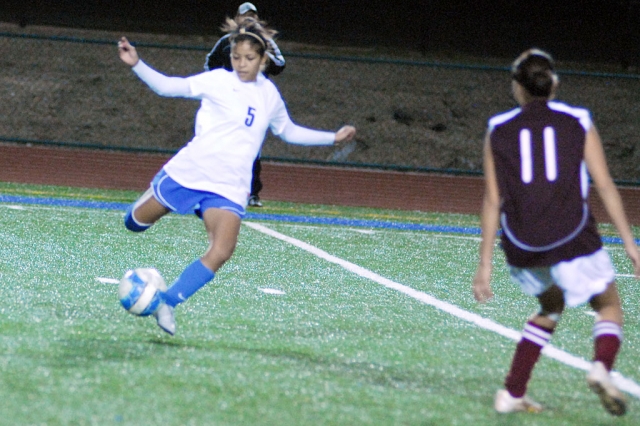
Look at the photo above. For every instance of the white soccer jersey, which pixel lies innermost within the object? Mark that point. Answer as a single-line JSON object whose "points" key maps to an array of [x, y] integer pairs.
{"points": [[230, 128]]}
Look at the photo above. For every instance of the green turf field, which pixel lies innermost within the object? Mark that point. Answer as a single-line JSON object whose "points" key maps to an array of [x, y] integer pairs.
{"points": [[365, 329]]}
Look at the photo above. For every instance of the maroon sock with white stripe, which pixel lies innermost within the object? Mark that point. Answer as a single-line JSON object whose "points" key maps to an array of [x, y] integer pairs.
{"points": [[534, 338], [607, 337]]}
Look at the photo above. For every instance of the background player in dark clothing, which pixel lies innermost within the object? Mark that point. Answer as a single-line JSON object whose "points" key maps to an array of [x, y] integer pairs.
{"points": [[537, 162], [219, 57]]}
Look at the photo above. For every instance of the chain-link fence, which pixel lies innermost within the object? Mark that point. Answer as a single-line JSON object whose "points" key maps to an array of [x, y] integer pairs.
{"points": [[62, 86]]}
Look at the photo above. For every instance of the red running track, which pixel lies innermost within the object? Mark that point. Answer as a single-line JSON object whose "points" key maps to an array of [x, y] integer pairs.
{"points": [[282, 182]]}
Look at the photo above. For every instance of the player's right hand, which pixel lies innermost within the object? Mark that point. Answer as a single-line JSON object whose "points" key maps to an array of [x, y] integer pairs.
{"points": [[482, 285], [127, 52]]}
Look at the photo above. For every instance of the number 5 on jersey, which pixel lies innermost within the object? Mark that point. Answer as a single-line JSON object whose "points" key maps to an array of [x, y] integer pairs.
{"points": [[250, 117]]}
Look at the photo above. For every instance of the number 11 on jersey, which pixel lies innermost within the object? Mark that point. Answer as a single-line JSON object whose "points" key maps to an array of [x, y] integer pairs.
{"points": [[526, 155]]}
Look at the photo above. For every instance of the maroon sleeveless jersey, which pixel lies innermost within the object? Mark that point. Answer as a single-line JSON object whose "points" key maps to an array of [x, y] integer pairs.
{"points": [[538, 153]]}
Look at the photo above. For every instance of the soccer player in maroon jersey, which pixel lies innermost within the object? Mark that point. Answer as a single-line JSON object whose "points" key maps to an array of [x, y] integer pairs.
{"points": [[537, 163]]}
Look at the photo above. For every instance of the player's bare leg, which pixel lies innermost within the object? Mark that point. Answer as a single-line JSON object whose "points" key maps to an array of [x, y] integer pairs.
{"points": [[607, 333], [149, 210], [144, 213], [223, 228]]}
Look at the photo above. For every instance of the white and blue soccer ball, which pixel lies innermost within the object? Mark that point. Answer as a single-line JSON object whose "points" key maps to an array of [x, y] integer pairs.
{"points": [[140, 291]]}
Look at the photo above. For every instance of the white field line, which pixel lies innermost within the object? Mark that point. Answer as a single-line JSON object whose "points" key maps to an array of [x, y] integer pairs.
{"points": [[625, 384], [105, 280], [271, 291], [379, 230]]}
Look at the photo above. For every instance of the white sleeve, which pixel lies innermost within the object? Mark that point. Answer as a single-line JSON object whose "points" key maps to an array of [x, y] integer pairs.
{"points": [[282, 126], [163, 85], [292, 133]]}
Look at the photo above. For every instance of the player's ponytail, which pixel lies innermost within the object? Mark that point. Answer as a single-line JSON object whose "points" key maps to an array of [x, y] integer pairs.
{"points": [[534, 70]]}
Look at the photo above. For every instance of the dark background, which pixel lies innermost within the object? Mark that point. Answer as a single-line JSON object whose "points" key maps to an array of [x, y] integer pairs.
{"points": [[587, 30]]}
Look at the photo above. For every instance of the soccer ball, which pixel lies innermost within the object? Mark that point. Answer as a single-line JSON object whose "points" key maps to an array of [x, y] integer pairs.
{"points": [[139, 291]]}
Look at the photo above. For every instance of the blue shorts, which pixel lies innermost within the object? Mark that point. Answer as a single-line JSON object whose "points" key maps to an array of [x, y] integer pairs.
{"points": [[183, 200]]}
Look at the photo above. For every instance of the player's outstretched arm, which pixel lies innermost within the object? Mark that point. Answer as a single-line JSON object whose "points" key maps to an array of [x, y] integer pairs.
{"points": [[158, 82], [292, 133], [127, 52]]}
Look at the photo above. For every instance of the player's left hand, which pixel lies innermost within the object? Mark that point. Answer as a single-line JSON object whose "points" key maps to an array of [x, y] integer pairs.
{"points": [[634, 255], [345, 134]]}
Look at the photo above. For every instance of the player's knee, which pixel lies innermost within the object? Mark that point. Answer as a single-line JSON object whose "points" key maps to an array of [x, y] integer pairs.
{"points": [[218, 256], [547, 320], [224, 253], [132, 224]]}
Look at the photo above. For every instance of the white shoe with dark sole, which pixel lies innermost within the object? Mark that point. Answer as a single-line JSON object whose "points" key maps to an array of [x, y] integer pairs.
{"points": [[505, 403], [612, 399]]}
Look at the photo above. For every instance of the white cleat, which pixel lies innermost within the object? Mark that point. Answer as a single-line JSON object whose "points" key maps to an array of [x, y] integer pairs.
{"points": [[505, 403], [165, 319], [600, 382]]}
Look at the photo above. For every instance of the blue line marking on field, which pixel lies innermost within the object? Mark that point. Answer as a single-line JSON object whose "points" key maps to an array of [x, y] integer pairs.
{"points": [[60, 202], [106, 205]]}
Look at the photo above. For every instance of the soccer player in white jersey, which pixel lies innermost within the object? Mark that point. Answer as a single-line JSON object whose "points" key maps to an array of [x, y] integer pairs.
{"points": [[212, 173], [537, 159], [220, 57]]}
